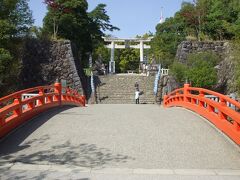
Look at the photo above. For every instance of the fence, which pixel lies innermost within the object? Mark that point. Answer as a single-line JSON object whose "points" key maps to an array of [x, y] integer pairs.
{"points": [[218, 110], [21, 106]]}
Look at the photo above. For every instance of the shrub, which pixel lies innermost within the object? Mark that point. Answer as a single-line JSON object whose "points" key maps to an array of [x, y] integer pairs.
{"points": [[179, 70], [201, 71], [203, 75], [8, 72]]}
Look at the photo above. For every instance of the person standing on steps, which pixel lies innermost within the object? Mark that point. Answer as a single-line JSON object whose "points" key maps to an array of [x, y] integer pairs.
{"points": [[137, 94]]}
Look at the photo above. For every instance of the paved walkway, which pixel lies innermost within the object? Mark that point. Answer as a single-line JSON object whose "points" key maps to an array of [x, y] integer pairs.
{"points": [[119, 142]]}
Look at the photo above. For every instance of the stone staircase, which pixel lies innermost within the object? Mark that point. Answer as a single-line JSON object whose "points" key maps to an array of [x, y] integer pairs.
{"points": [[119, 89]]}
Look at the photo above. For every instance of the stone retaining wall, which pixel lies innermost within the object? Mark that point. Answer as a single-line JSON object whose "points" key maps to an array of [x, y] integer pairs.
{"points": [[44, 62], [188, 47], [225, 69]]}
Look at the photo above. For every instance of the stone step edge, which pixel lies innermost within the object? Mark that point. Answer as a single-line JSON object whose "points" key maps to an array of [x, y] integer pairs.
{"points": [[70, 168]]}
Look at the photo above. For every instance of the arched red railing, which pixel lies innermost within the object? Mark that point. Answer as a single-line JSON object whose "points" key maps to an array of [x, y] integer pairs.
{"points": [[21, 106], [219, 109]]}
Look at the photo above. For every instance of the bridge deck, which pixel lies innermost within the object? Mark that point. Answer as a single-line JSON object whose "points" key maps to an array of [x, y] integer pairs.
{"points": [[120, 137]]}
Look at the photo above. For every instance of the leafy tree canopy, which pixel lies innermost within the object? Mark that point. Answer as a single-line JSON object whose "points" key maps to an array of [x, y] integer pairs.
{"points": [[70, 20], [15, 23], [197, 20]]}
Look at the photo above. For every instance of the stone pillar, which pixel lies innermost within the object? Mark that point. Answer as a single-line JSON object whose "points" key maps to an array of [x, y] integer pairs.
{"points": [[112, 62]]}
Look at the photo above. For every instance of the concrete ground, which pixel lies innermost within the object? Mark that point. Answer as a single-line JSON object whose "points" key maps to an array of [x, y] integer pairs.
{"points": [[118, 142]]}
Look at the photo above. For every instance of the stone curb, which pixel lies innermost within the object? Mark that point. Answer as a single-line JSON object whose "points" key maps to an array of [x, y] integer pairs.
{"points": [[126, 171]]}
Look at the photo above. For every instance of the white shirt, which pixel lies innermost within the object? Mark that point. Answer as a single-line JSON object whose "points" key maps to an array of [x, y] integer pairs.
{"points": [[137, 93]]}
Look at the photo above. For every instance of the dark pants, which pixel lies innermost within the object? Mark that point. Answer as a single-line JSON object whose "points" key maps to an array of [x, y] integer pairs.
{"points": [[137, 101]]}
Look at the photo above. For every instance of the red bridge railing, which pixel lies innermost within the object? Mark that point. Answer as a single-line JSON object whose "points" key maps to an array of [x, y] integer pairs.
{"points": [[219, 109], [21, 106]]}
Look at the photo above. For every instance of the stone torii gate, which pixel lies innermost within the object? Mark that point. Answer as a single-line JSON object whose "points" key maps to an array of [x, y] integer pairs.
{"points": [[127, 42]]}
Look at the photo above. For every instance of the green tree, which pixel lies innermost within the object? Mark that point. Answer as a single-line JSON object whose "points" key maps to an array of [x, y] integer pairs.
{"points": [[166, 40], [103, 53], [197, 20], [222, 19], [22, 18], [15, 23], [128, 60], [100, 18], [70, 20]]}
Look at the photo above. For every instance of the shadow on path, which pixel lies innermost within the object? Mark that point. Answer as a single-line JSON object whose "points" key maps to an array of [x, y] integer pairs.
{"points": [[45, 150], [11, 143], [39, 175], [82, 155]]}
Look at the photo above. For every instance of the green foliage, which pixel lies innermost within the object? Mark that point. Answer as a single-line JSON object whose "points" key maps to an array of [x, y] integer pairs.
{"points": [[197, 20], [196, 59], [15, 23], [222, 18], [166, 40], [100, 18], [15, 20], [39, 33], [128, 60], [6, 30], [70, 20], [202, 75], [179, 70], [21, 17], [8, 72], [199, 70], [101, 52]]}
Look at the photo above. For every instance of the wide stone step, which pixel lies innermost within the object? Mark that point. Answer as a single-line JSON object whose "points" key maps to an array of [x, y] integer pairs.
{"points": [[123, 93], [125, 102], [124, 96], [119, 89]]}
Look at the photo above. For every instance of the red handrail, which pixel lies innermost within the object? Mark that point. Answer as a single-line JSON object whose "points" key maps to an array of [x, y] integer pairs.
{"points": [[223, 113], [15, 109]]}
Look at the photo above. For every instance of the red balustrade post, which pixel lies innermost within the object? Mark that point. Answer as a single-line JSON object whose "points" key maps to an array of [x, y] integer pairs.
{"points": [[223, 104], [58, 91], [18, 110], [201, 103], [177, 96], [41, 100], [210, 108], [31, 105], [186, 92]]}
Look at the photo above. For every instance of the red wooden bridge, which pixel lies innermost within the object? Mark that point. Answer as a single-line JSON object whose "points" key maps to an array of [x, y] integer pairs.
{"points": [[119, 141]]}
